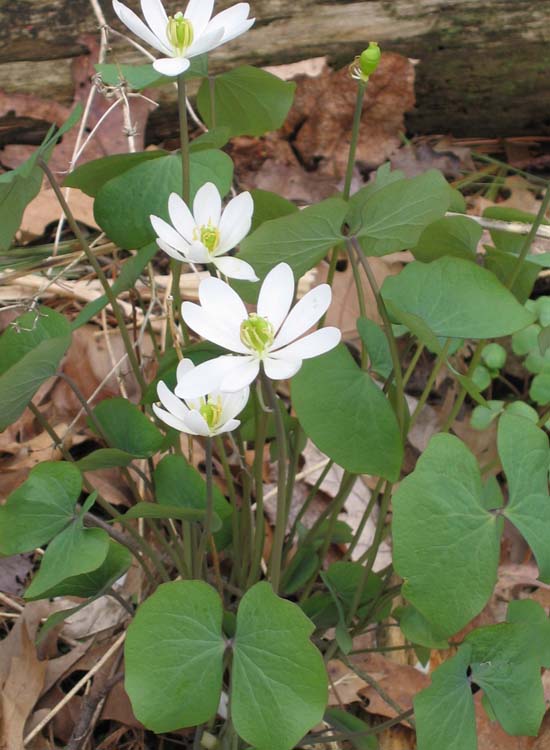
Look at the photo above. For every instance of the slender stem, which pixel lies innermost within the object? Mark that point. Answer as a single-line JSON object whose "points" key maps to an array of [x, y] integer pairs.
{"points": [[361, 86], [397, 372], [307, 502], [259, 529], [233, 500], [439, 362], [327, 738], [280, 520], [528, 241], [366, 515], [412, 364], [474, 362], [207, 529], [99, 272]]}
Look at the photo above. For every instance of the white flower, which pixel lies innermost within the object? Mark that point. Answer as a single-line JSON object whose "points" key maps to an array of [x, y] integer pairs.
{"points": [[269, 337], [207, 416], [184, 35], [207, 234]]}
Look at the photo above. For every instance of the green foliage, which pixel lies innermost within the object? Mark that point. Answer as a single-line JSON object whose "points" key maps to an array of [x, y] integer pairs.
{"points": [[269, 206], [125, 202], [247, 101], [177, 634], [456, 299], [126, 428], [438, 519], [377, 346], [394, 217], [30, 353], [356, 426], [139, 77], [457, 236]]}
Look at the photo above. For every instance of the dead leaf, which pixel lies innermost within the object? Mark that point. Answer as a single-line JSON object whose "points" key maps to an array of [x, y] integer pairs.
{"points": [[14, 572]]}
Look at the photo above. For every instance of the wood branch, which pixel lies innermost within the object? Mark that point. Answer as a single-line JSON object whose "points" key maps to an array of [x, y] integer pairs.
{"points": [[482, 68]]}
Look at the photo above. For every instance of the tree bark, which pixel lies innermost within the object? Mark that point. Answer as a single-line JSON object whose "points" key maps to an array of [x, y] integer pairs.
{"points": [[483, 64]]}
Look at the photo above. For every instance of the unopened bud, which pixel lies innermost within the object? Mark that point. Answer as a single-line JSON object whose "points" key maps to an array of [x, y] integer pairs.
{"points": [[370, 59]]}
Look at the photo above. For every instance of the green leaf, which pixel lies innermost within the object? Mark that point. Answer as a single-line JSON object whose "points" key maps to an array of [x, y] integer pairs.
{"points": [[279, 682], [269, 206], [525, 456], [129, 273], [247, 100], [503, 265], [124, 203], [394, 217], [74, 551], [140, 77], [539, 390], [444, 712], [417, 629], [506, 665], [29, 354], [300, 239], [377, 346], [444, 539], [105, 458], [457, 236], [213, 138], [348, 723], [384, 176], [482, 416], [154, 510], [173, 656], [456, 299], [178, 484], [125, 427], [40, 508], [91, 584], [356, 425], [93, 175]]}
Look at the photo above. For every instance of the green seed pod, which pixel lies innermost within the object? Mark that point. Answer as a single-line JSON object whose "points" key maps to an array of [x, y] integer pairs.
{"points": [[494, 356], [370, 59]]}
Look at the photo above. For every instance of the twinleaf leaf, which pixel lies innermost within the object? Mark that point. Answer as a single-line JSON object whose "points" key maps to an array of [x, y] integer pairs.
{"points": [[174, 656], [446, 545], [456, 299], [247, 100], [279, 682], [356, 425], [125, 427], [453, 235], [525, 455], [40, 508]]}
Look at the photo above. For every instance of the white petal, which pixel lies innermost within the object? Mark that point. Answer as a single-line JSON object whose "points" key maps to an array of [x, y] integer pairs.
{"points": [[171, 66], [136, 25], [304, 315], [185, 366], [171, 402], [229, 426], [206, 377], [181, 217], [211, 328], [168, 234], [276, 295], [235, 222], [199, 13], [316, 343], [233, 404], [198, 253], [155, 16], [234, 268], [233, 21], [206, 42], [241, 376], [170, 419], [281, 369], [197, 424], [171, 251], [223, 303], [207, 206]]}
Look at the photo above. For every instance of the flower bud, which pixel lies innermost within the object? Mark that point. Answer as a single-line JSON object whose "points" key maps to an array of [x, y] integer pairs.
{"points": [[370, 59]]}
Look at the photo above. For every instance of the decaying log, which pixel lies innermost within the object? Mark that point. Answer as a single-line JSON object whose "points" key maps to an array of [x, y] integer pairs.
{"points": [[483, 64]]}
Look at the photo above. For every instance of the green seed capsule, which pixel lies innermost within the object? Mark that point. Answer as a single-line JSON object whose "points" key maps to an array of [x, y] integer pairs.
{"points": [[370, 59]]}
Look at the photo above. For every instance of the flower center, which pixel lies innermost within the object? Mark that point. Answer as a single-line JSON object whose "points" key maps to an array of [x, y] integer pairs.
{"points": [[211, 413], [257, 333], [210, 237], [179, 32]]}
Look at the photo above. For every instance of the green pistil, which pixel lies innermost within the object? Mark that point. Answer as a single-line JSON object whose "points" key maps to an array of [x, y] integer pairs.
{"points": [[257, 333], [211, 413], [210, 237], [179, 32]]}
